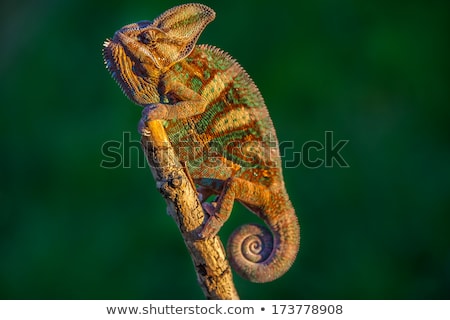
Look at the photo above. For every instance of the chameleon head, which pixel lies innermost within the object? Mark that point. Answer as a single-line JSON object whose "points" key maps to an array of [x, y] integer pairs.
{"points": [[132, 61], [139, 52], [141, 43]]}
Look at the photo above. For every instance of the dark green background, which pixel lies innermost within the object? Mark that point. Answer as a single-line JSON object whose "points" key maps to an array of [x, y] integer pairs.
{"points": [[374, 72]]}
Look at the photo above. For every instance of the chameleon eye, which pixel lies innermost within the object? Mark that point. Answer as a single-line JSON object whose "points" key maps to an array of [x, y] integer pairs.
{"points": [[145, 38]]}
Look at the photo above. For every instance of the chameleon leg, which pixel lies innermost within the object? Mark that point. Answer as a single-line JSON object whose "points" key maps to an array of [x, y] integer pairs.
{"points": [[256, 253], [218, 212], [251, 194], [204, 193]]}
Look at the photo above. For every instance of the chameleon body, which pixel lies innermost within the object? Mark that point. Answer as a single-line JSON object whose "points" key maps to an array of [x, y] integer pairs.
{"points": [[218, 125]]}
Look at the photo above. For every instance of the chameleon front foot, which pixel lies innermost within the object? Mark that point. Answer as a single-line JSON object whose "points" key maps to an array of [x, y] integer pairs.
{"points": [[154, 111]]}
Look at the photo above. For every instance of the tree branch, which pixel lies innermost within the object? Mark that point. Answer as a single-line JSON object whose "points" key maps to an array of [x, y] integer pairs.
{"points": [[208, 255]]}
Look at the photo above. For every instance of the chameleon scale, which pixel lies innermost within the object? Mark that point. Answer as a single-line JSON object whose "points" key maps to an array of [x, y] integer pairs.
{"points": [[218, 125]]}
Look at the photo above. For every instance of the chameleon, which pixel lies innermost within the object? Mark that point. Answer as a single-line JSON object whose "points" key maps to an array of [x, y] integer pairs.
{"points": [[219, 126]]}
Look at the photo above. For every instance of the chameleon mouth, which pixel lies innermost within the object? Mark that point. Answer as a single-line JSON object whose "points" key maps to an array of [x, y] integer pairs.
{"points": [[108, 55], [125, 70], [112, 52]]}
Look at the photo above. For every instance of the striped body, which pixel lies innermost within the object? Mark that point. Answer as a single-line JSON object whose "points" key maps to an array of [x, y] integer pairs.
{"points": [[234, 136], [218, 125]]}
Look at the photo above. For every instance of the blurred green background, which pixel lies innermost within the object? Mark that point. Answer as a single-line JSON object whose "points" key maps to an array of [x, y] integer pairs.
{"points": [[374, 72]]}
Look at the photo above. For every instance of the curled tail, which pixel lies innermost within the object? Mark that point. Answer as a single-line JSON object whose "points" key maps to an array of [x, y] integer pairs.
{"points": [[260, 255]]}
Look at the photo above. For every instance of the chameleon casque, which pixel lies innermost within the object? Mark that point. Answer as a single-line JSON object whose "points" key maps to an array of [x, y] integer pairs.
{"points": [[218, 125]]}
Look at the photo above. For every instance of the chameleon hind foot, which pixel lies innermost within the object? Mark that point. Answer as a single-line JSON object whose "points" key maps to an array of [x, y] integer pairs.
{"points": [[213, 221]]}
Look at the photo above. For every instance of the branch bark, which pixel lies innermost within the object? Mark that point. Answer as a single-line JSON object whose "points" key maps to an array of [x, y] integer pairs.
{"points": [[208, 255]]}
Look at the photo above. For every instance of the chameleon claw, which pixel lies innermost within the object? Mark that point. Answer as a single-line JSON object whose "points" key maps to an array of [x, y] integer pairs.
{"points": [[149, 113], [211, 227], [213, 222], [142, 128]]}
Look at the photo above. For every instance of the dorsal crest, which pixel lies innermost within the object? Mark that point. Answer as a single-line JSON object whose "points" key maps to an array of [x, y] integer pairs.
{"points": [[180, 28]]}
